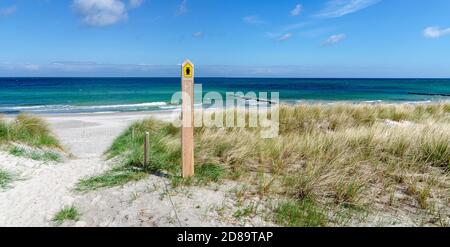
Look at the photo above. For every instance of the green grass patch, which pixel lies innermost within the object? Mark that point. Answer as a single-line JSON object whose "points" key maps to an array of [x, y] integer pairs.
{"points": [[6, 178], [304, 213], [39, 155], [209, 173], [165, 157], [115, 177], [66, 214]]}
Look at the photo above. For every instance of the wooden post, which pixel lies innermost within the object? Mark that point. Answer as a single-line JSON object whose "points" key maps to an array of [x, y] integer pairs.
{"points": [[146, 149], [187, 133]]}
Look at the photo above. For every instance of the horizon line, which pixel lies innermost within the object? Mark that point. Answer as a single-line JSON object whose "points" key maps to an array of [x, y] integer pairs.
{"points": [[231, 77]]}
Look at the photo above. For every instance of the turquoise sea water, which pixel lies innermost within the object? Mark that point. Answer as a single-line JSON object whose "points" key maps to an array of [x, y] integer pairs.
{"points": [[67, 95]]}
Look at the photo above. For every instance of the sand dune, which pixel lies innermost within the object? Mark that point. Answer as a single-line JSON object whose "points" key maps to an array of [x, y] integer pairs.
{"points": [[44, 188]]}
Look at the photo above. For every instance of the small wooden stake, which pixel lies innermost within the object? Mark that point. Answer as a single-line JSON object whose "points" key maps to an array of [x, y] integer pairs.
{"points": [[187, 133], [146, 148]]}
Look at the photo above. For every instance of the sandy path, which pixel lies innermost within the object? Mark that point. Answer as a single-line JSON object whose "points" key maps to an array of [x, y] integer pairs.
{"points": [[46, 188], [89, 135]]}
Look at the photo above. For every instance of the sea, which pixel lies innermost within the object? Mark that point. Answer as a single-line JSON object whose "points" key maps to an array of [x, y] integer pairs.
{"points": [[105, 95]]}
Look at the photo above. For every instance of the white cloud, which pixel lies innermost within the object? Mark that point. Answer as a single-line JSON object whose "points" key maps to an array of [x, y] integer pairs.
{"points": [[101, 12], [8, 11], [253, 19], [135, 3], [198, 34], [285, 37], [182, 8], [338, 8], [297, 10], [333, 39], [435, 32]]}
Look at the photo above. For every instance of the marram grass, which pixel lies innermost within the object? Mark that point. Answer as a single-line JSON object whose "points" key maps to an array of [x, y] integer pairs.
{"points": [[40, 155], [327, 158], [6, 178], [28, 130]]}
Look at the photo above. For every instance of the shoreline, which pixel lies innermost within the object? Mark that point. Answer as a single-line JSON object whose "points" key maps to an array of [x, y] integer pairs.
{"points": [[177, 108], [95, 114]]}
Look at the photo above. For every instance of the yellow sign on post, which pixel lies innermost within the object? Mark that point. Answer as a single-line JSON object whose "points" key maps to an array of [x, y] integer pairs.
{"points": [[187, 132], [188, 70]]}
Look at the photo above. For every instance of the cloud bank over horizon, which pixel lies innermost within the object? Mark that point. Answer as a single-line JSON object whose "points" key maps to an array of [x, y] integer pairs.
{"points": [[93, 69]]}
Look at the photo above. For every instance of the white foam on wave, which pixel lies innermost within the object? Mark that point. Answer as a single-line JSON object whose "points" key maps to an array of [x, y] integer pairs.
{"points": [[79, 108], [373, 101], [419, 102], [25, 107], [150, 104], [169, 107]]}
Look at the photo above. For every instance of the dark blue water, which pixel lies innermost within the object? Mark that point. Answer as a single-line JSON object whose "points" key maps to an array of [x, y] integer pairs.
{"points": [[56, 95]]}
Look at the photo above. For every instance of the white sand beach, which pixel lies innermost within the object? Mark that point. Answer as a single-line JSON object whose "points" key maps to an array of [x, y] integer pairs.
{"points": [[45, 188]]}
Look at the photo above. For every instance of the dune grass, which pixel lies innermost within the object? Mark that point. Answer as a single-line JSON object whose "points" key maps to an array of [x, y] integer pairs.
{"points": [[39, 155], [28, 130], [164, 158], [6, 178], [116, 177], [327, 158], [66, 214]]}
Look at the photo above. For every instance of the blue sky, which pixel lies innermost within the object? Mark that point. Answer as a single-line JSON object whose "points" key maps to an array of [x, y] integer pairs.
{"points": [[299, 38]]}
